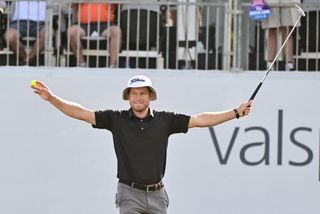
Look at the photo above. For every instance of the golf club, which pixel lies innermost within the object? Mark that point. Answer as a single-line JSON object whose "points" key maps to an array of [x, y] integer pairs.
{"points": [[301, 12]]}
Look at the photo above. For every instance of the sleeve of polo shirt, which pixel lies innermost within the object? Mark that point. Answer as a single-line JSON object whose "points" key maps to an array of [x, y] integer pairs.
{"points": [[179, 123], [103, 119]]}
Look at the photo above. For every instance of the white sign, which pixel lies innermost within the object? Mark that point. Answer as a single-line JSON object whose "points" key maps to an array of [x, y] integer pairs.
{"points": [[265, 163]]}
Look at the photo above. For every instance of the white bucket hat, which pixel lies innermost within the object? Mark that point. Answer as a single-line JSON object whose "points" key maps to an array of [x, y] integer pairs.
{"points": [[137, 82]]}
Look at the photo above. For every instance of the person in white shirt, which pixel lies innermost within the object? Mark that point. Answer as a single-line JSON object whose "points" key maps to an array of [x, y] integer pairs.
{"points": [[27, 20], [3, 6], [283, 17]]}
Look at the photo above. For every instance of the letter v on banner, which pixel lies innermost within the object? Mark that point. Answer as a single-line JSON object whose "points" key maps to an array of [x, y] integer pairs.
{"points": [[223, 160]]}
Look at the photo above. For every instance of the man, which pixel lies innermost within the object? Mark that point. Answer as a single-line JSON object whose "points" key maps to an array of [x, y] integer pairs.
{"points": [[140, 137], [283, 17], [95, 18], [28, 19]]}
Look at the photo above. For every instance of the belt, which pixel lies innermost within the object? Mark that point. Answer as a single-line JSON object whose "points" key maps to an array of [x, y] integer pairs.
{"points": [[147, 188]]}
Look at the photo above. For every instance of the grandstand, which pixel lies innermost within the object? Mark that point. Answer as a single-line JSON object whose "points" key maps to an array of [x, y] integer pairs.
{"points": [[204, 35]]}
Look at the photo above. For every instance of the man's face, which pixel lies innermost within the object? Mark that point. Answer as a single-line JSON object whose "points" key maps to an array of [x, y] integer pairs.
{"points": [[139, 98]]}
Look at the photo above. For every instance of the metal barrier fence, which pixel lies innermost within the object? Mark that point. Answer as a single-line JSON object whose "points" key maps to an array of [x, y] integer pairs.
{"points": [[183, 34]]}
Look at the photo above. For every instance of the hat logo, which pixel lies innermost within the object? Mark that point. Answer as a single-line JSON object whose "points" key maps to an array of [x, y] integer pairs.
{"points": [[137, 80]]}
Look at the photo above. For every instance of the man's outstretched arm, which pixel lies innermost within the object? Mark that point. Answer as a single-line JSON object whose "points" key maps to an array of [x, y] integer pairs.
{"points": [[69, 108], [208, 119]]}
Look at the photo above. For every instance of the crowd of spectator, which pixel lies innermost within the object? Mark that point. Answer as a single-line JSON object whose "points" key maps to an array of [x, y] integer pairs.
{"points": [[111, 23], [95, 20]]}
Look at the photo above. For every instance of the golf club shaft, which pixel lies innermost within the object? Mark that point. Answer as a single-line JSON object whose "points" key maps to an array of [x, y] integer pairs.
{"points": [[284, 43], [275, 58]]}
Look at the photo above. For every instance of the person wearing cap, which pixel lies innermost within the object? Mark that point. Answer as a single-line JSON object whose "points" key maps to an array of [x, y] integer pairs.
{"points": [[140, 136]]}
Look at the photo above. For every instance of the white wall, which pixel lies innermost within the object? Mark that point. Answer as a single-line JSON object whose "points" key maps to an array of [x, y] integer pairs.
{"points": [[51, 164]]}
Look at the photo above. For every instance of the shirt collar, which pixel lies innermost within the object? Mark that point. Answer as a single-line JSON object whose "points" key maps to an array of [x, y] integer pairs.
{"points": [[150, 113]]}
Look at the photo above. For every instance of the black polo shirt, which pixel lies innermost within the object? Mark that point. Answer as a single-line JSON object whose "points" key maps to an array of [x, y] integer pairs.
{"points": [[141, 144]]}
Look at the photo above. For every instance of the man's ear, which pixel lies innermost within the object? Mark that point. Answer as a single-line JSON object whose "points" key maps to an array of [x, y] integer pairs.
{"points": [[151, 95]]}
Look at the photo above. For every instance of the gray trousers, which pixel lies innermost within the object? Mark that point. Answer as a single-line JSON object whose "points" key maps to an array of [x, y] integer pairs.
{"points": [[135, 201]]}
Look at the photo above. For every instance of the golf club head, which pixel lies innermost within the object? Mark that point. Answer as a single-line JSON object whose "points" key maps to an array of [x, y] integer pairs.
{"points": [[300, 11]]}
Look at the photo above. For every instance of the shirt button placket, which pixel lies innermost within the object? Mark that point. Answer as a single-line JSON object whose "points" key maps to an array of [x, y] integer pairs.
{"points": [[141, 127]]}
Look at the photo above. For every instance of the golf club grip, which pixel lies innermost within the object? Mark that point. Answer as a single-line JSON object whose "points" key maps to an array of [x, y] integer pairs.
{"points": [[255, 91]]}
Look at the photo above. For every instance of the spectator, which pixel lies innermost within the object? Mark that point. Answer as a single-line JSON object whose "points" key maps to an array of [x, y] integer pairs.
{"points": [[100, 18], [27, 20], [283, 17], [3, 6]]}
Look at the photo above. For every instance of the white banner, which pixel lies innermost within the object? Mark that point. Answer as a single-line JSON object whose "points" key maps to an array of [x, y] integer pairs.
{"points": [[265, 163]]}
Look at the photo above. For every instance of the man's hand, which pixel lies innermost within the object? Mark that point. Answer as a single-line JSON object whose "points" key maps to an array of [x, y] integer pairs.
{"points": [[245, 108], [42, 90]]}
